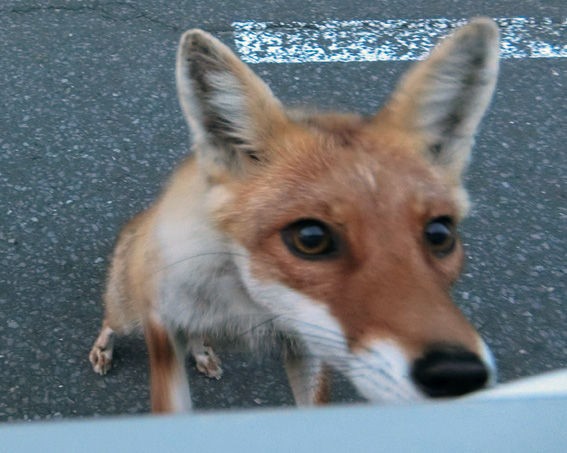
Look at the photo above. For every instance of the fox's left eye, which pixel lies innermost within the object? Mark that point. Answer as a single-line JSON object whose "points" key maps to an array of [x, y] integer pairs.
{"points": [[441, 236], [309, 239]]}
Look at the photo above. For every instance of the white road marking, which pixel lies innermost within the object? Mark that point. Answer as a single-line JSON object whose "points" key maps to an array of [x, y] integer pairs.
{"points": [[386, 40]]}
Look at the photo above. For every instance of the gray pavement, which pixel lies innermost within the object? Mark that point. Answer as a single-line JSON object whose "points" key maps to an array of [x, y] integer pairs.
{"points": [[90, 127]]}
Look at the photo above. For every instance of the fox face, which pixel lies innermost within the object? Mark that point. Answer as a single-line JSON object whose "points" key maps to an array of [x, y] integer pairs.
{"points": [[338, 230], [345, 227], [357, 251]]}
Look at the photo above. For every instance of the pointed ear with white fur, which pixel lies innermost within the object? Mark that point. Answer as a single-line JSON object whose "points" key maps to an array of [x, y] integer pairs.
{"points": [[231, 111], [444, 97]]}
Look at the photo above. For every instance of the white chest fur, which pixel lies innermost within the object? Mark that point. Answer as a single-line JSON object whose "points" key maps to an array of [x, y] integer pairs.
{"points": [[199, 287]]}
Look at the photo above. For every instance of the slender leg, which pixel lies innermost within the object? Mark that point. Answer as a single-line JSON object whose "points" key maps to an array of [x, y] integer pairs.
{"points": [[168, 378], [308, 378], [205, 358]]}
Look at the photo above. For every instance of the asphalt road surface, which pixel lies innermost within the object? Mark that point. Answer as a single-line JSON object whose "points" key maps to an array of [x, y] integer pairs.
{"points": [[90, 128]]}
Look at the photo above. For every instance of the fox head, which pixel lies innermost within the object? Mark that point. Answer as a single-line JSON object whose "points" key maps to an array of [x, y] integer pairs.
{"points": [[344, 226]]}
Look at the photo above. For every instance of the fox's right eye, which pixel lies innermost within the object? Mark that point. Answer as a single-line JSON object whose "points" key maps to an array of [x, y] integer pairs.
{"points": [[309, 239]]}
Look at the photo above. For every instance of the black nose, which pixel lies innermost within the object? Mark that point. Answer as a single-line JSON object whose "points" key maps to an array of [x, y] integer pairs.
{"points": [[449, 371]]}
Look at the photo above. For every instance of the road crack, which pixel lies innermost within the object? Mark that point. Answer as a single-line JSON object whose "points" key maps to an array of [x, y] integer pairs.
{"points": [[121, 11]]}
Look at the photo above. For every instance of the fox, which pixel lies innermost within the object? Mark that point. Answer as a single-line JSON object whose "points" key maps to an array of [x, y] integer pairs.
{"points": [[334, 232]]}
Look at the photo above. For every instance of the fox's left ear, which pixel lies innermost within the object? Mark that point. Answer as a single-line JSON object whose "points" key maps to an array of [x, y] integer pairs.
{"points": [[231, 112], [443, 98]]}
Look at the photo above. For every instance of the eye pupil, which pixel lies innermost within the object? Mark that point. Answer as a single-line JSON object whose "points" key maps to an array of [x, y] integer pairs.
{"points": [[311, 236], [437, 233]]}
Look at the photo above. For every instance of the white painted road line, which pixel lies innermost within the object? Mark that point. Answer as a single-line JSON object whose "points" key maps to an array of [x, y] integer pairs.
{"points": [[386, 40]]}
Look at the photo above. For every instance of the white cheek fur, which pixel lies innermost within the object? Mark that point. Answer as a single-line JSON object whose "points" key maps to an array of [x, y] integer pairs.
{"points": [[380, 372]]}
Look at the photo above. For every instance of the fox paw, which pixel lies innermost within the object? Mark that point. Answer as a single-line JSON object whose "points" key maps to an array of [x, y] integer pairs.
{"points": [[101, 359], [101, 353], [208, 363]]}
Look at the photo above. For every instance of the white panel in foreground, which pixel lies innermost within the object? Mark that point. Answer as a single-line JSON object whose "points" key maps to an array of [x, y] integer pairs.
{"points": [[509, 425], [550, 384]]}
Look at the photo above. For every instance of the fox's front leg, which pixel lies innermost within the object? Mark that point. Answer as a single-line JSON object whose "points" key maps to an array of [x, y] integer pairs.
{"points": [[308, 378], [168, 377]]}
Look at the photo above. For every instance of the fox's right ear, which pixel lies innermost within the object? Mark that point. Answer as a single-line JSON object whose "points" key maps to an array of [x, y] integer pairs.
{"points": [[231, 112]]}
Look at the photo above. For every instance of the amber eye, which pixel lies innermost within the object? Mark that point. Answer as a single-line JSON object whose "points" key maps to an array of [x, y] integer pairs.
{"points": [[440, 236], [309, 239]]}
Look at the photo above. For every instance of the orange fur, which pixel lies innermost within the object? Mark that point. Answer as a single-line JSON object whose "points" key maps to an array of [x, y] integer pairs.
{"points": [[162, 360], [372, 271]]}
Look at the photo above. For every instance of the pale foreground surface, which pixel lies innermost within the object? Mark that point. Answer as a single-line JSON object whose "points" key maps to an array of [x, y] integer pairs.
{"points": [[532, 420]]}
